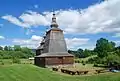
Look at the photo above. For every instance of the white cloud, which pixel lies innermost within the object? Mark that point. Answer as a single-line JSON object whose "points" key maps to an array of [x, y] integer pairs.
{"points": [[33, 42], [73, 43], [103, 17], [34, 19], [27, 19], [117, 42], [15, 21], [2, 37], [29, 31], [36, 38], [98, 18], [117, 35]]}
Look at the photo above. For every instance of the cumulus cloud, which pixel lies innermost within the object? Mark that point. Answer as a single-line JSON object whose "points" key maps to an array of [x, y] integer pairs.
{"points": [[103, 17], [27, 19], [117, 35], [35, 40], [98, 18], [15, 21], [73, 43], [29, 31], [2, 37], [117, 42]]}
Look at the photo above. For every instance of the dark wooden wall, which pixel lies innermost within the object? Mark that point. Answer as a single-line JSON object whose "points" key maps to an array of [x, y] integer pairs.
{"points": [[40, 61], [46, 61], [59, 60]]}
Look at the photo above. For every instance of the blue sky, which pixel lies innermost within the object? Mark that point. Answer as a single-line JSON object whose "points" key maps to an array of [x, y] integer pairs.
{"points": [[24, 22]]}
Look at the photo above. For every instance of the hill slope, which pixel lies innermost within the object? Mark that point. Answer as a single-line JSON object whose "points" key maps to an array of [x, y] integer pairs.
{"points": [[24, 72]]}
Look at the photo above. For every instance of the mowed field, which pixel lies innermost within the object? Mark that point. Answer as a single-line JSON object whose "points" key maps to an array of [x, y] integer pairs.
{"points": [[30, 72]]}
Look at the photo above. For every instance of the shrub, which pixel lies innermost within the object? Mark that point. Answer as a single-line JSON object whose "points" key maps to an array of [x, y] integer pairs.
{"points": [[95, 65], [1, 62], [77, 61], [16, 60], [83, 63]]}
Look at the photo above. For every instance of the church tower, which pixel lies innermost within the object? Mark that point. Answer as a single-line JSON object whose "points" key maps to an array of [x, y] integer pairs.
{"points": [[53, 50]]}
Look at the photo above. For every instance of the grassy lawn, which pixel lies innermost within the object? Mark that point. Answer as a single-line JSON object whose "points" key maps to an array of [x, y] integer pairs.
{"points": [[29, 72]]}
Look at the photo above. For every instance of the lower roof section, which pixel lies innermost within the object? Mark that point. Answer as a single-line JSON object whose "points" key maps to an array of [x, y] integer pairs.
{"points": [[55, 54]]}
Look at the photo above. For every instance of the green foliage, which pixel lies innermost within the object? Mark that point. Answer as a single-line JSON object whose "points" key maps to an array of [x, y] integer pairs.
{"points": [[16, 51], [77, 60], [117, 50], [10, 48], [6, 48], [80, 53], [28, 52], [93, 60], [1, 48], [16, 60], [87, 53], [17, 48], [83, 62], [114, 59], [95, 65], [1, 62], [107, 53], [103, 46]]}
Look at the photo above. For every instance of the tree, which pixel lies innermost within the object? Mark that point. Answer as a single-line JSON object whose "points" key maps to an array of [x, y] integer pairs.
{"points": [[10, 48], [80, 53], [113, 59], [117, 50], [103, 46], [28, 52], [80, 50], [1, 48], [17, 48], [6, 48], [87, 53]]}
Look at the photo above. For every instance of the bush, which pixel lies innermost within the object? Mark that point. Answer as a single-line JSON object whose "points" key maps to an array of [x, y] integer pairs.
{"points": [[95, 65], [1, 62], [95, 60], [77, 61], [83, 63], [16, 60]]}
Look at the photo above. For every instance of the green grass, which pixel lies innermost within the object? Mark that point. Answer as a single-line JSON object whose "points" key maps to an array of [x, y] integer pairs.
{"points": [[29, 72]]}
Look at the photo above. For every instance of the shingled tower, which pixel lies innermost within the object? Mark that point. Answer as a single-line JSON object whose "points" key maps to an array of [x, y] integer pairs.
{"points": [[53, 50]]}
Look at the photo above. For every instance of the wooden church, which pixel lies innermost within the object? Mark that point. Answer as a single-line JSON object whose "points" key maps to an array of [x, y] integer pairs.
{"points": [[53, 50]]}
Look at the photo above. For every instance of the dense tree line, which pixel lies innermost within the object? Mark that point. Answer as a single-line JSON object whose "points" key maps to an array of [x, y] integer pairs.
{"points": [[80, 53], [17, 51], [105, 50]]}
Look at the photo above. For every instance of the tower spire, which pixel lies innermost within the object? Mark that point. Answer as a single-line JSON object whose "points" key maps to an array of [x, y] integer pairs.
{"points": [[54, 23]]}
